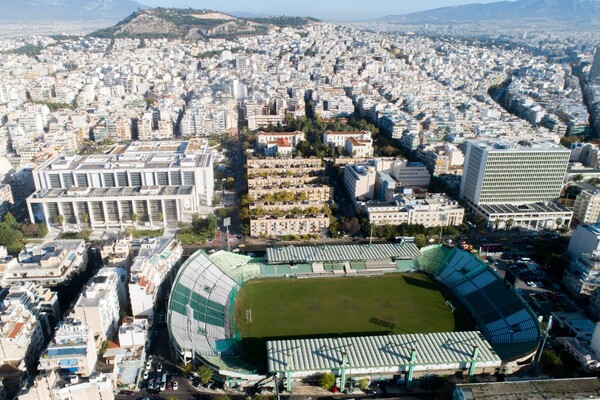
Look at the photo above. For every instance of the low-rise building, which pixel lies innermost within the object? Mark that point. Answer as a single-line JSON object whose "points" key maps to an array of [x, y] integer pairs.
{"points": [[582, 276], [359, 144], [278, 143], [51, 263], [150, 270], [51, 386], [432, 210]]}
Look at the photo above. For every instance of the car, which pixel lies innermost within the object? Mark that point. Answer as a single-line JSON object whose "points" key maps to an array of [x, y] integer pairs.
{"points": [[126, 392], [163, 386], [150, 384], [146, 374], [150, 358], [196, 383], [148, 365], [159, 368], [175, 385]]}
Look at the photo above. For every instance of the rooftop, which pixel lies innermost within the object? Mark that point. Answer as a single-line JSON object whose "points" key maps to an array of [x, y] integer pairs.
{"points": [[277, 255], [378, 351]]}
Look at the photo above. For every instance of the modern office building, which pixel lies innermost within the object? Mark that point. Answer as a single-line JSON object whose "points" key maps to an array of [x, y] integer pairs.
{"points": [[515, 175], [141, 183]]}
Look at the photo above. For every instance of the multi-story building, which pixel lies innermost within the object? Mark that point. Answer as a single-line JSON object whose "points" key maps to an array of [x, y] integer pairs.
{"points": [[586, 209], [140, 183], [99, 304], [433, 210], [517, 175], [585, 239], [40, 301], [288, 197], [582, 276], [359, 181], [443, 159], [151, 270], [273, 143], [358, 144], [24, 331], [50, 263], [71, 351]]}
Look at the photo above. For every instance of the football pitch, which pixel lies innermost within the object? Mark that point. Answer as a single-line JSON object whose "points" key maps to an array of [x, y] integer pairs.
{"points": [[389, 304]]}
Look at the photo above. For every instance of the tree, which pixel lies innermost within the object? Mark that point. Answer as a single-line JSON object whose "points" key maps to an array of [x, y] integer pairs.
{"points": [[363, 383], [85, 217], [187, 368], [10, 220], [509, 224], [552, 364], [578, 178], [223, 397], [559, 222], [205, 374], [420, 240], [60, 219], [160, 216], [134, 218], [326, 380]]}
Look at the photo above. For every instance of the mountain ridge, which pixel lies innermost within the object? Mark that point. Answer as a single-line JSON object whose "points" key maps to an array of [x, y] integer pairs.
{"points": [[553, 10]]}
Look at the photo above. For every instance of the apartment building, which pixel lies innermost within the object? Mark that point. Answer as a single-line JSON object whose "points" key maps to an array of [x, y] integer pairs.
{"points": [[586, 209], [288, 197], [141, 183], [430, 211], [151, 269], [71, 351], [51, 263], [359, 181], [582, 276], [28, 316], [99, 304]]}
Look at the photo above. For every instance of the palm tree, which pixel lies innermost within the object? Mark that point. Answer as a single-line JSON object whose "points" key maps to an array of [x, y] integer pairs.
{"points": [[134, 218], [85, 218], [509, 223], [61, 220]]}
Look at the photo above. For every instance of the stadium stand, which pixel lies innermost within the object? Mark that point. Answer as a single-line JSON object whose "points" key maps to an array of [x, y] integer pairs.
{"points": [[501, 314], [200, 308]]}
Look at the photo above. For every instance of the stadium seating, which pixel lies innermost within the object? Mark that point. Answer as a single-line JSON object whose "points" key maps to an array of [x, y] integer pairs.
{"points": [[200, 306], [500, 313]]}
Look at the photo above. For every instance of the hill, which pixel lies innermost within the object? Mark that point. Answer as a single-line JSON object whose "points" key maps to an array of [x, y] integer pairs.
{"points": [[587, 11], [66, 10], [194, 24]]}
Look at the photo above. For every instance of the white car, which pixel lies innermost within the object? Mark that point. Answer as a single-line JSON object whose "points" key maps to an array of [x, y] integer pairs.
{"points": [[163, 386], [175, 385], [148, 365], [146, 373], [159, 368]]}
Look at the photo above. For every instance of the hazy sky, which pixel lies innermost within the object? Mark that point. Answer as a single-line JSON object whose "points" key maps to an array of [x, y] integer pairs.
{"points": [[330, 9]]}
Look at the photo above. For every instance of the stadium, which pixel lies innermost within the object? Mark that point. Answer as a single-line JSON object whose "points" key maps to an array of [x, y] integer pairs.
{"points": [[375, 311]]}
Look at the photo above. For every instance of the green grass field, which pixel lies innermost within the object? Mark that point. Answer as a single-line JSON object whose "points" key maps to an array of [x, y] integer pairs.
{"points": [[392, 304]]}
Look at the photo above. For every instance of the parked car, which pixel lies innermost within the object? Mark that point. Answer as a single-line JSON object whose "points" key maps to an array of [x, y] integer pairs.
{"points": [[146, 374], [175, 385], [163, 386], [159, 368]]}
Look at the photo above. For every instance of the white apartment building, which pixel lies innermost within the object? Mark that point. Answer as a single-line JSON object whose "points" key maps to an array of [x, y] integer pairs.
{"points": [[133, 334], [359, 144], [582, 276], [272, 143], [50, 263], [503, 181], [22, 337], [433, 210], [270, 226], [143, 182], [359, 181], [71, 351], [586, 208], [99, 304], [150, 270], [50, 386], [584, 240]]}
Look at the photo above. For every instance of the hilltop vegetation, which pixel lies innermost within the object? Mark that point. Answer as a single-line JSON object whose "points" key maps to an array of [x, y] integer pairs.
{"points": [[194, 24]]}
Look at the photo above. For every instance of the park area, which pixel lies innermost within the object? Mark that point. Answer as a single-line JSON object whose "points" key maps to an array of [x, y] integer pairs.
{"points": [[346, 306]]}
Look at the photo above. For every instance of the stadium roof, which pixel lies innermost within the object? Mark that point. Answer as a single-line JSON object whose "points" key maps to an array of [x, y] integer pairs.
{"points": [[379, 351], [352, 252]]}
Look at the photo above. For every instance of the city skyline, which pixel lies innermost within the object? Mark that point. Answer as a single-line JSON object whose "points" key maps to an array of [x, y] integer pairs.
{"points": [[334, 10]]}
